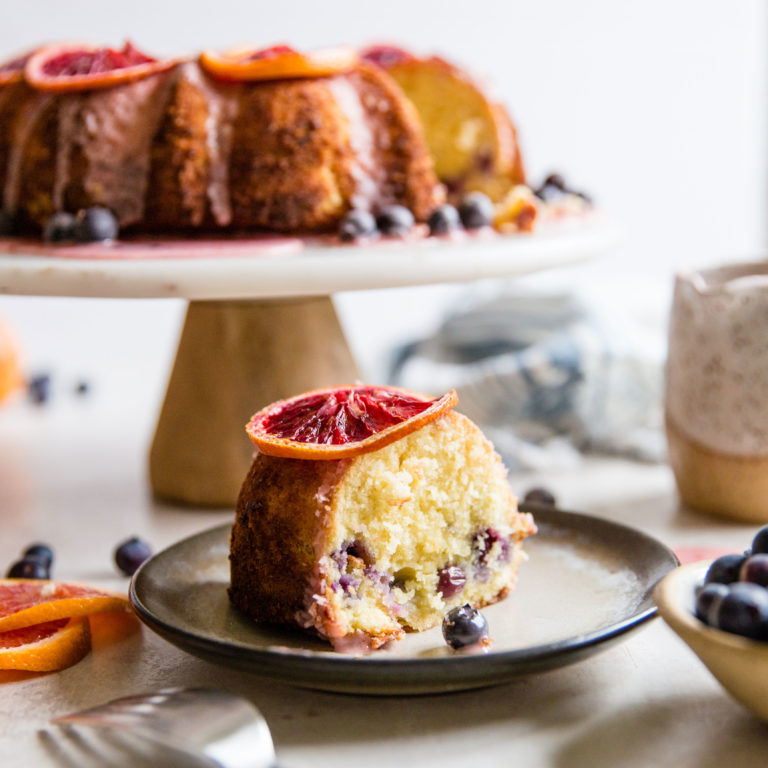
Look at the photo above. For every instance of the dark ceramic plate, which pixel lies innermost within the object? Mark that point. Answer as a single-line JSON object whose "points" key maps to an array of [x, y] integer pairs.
{"points": [[587, 583]]}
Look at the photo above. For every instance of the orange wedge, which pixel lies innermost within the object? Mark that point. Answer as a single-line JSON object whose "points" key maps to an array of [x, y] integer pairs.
{"points": [[277, 63], [10, 370], [45, 647], [342, 422], [26, 602], [79, 67]]}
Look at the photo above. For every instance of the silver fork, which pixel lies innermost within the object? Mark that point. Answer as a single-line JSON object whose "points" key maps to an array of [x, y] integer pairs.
{"points": [[203, 722]]}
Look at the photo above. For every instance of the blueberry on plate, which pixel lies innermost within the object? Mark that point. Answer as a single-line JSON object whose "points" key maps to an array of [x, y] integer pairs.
{"points": [[395, 221], [725, 570], [130, 554], [464, 626], [443, 220], [28, 568], [59, 228], [540, 495], [476, 210], [41, 552], [96, 224], [357, 223]]}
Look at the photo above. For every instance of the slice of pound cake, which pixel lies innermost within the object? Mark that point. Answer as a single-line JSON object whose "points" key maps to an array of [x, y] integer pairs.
{"points": [[363, 547]]}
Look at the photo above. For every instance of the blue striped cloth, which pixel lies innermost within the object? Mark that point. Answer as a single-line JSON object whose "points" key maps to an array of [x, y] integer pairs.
{"points": [[544, 377]]}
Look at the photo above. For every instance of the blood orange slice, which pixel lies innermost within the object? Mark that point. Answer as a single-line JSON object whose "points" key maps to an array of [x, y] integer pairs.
{"points": [[277, 63], [13, 70], [76, 67], [45, 647], [341, 422], [25, 602]]}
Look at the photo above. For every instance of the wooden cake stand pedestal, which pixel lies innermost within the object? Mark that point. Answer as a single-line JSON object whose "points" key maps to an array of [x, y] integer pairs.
{"points": [[235, 357], [260, 324]]}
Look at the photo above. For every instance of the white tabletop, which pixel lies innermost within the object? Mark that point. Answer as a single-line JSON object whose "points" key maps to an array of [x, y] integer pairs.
{"points": [[72, 473], [238, 268]]}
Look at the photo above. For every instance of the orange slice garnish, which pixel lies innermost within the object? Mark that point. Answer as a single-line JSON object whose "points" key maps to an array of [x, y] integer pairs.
{"points": [[79, 67], [45, 647], [341, 422], [13, 71], [26, 602], [277, 63]]}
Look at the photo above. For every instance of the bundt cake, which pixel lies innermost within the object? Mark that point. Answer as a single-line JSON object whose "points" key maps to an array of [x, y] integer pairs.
{"points": [[361, 549], [175, 146], [471, 138]]}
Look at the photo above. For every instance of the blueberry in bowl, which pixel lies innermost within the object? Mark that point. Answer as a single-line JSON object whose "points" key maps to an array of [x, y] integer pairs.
{"points": [[720, 609]]}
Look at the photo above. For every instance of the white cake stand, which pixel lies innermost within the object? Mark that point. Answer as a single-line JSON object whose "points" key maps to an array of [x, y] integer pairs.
{"points": [[260, 324]]}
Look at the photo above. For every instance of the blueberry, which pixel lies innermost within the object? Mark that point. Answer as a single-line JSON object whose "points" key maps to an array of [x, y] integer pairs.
{"points": [[743, 611], [555, 180], [130, 554], [395, 220], [8, 224], [41, 552], [443, 220], [450, 580], [82, 388], [95, 223], [548, 192], [464, 626], [725, 570], [39, 388], [357, 223], [706, 599], [476, 210], [60, 227], [760, 542], [540, 495], [755, 569], [28, 568]]}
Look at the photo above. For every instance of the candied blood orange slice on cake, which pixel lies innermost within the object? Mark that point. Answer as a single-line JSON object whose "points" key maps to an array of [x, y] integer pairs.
{"points": [[385, 55], [45, 647], [24, 602], [277, 63], [13, 70], [77, 67], [341, 422]]}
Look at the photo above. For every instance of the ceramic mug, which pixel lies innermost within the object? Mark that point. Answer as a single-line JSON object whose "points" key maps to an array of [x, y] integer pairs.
{"points": [[716, 404]]}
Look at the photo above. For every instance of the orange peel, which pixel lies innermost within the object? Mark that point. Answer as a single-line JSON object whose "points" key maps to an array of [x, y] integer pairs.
{"points": [[26, 602], [278, 63], [343, 422], [45, 647]]}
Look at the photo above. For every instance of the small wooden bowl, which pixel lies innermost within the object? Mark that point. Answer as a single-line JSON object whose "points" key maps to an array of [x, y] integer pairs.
{"points": [[739, 663]]}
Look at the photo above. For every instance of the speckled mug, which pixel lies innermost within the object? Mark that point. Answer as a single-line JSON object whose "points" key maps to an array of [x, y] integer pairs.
{"points": [[717, 390]]}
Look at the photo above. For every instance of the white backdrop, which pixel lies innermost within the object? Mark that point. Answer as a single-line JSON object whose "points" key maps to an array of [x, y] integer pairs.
{"points": [[655, 107]]}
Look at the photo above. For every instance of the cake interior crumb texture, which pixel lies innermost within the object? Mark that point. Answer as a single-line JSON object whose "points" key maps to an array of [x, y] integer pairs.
{"points": [[382, 543]]}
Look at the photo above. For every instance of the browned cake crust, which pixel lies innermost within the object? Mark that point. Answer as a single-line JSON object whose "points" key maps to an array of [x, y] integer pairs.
{"points": [[272, 555], [355, 549], [179, 150]]}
